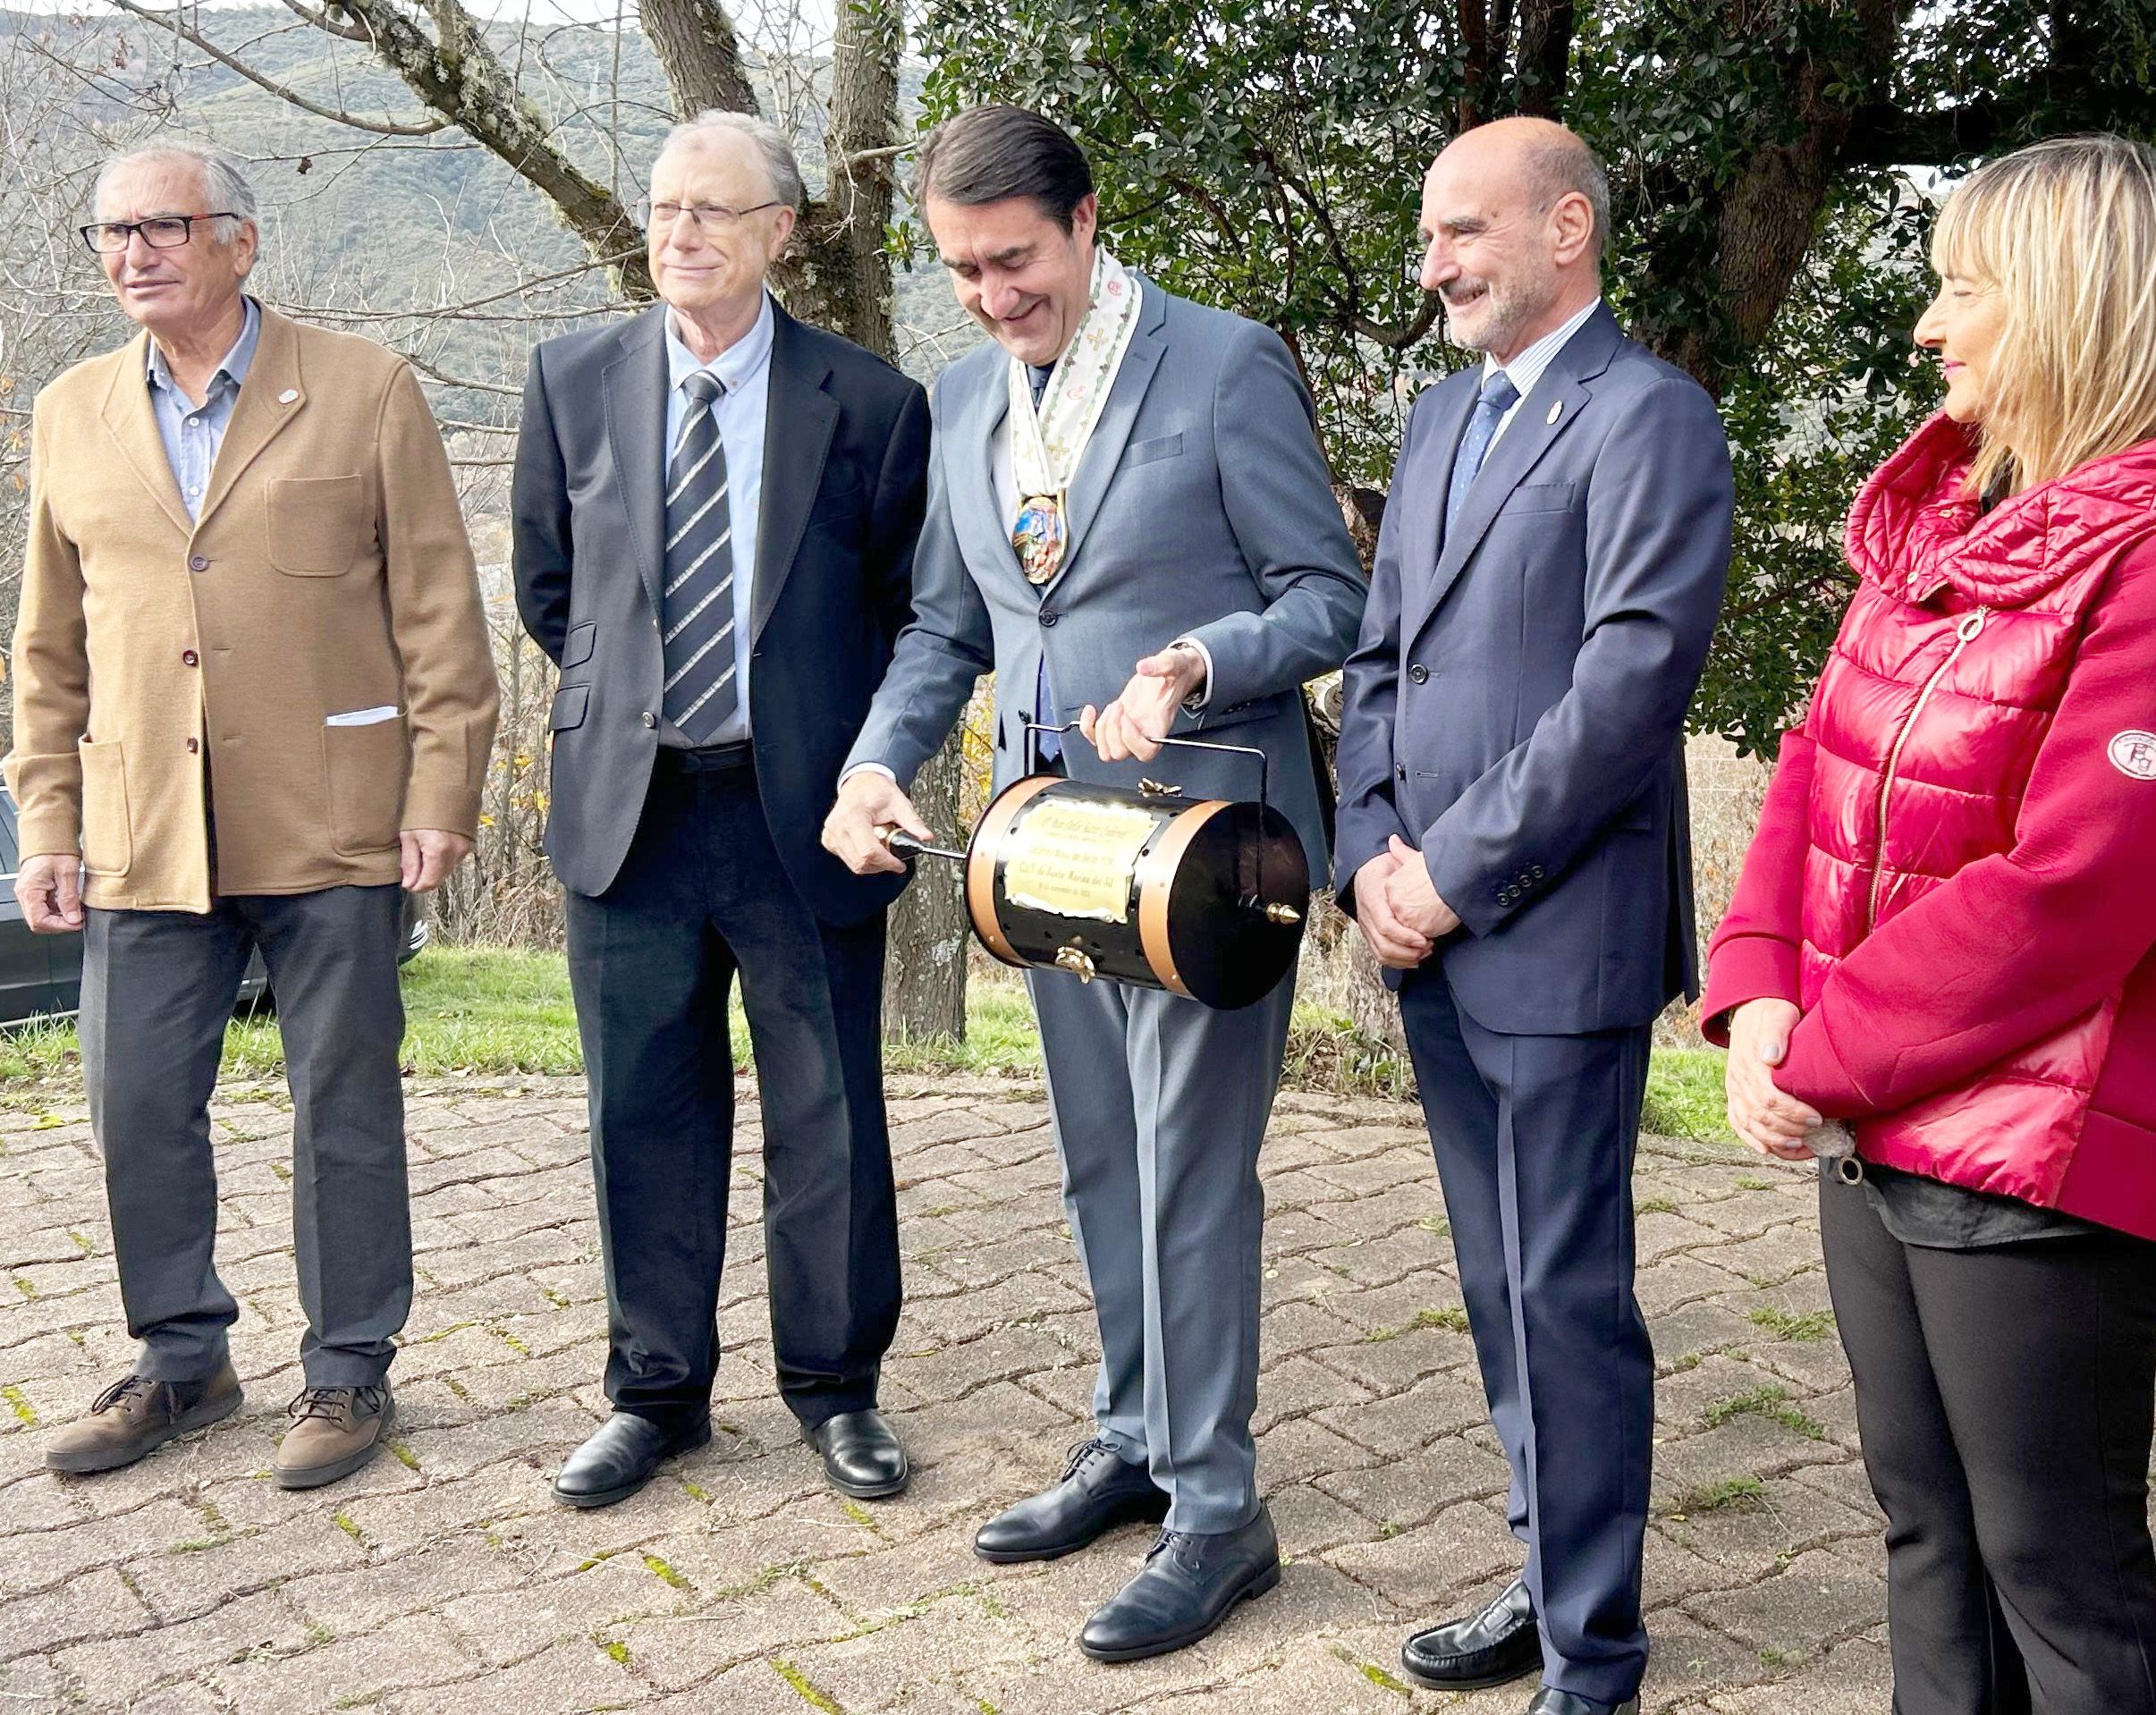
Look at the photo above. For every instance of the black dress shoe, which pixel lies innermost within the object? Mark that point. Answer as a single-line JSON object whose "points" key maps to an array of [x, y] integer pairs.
{"points": [[1564, 1702], [619, 1456], [1187, 1586], [1487, 1648], [1099, 1490], [861, 1455]]}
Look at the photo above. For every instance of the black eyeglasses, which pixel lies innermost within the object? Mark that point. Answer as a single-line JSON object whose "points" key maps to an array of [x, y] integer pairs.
{"points": [[159, 231]]}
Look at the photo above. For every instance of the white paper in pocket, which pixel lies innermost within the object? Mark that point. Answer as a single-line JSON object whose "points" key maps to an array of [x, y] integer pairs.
{"points": [[363, 717]]}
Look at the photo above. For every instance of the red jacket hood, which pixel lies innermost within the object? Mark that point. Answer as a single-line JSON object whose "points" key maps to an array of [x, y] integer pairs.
{"points": [[1914, 526]]}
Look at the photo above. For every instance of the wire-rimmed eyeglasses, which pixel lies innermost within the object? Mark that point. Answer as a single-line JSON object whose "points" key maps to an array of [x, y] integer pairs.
{"points": [[708, 217]]}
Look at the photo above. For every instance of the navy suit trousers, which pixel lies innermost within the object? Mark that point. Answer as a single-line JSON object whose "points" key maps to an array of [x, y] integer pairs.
{"points": [[1535, 1139]]}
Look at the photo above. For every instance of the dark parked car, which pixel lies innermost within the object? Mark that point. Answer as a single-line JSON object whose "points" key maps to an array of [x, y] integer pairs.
{"points": [[42, 975]]}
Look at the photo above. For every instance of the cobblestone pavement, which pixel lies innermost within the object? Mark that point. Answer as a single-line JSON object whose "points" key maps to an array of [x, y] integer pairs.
{"points": [[444, 1579]]}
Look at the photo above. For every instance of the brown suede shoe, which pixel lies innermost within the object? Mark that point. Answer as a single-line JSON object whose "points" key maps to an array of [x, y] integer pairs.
{"points": [[334, 1432], [139, 1416]]}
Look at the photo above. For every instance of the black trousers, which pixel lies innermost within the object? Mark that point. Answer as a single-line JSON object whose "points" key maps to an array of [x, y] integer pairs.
{"points": [[157, 990], [700, 897], [1535, 1137], [2005, 1397]]}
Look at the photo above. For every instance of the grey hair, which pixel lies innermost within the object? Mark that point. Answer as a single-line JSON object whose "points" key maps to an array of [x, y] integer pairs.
{"points": [[225, 186], [777, 150], [1566, 166]]}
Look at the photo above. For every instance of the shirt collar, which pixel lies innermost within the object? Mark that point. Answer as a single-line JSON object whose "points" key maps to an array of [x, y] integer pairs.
{"points": [[231, 372], [736, 365], [1526, 367]]}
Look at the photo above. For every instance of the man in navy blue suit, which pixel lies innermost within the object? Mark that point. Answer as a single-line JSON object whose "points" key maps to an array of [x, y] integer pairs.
{"points": [[1514, 845]]}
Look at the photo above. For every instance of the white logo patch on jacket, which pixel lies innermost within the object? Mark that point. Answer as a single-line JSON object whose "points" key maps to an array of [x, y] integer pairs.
{"points": [[2134, 755]]}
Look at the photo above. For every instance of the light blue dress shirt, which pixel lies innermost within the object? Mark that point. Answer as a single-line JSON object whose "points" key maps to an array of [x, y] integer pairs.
{"points": [[192, 432], [1527, 366], [744, 369]]}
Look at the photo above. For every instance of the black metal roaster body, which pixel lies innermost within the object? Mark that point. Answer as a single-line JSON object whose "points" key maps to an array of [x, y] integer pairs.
{"points": [[1203, 898]]}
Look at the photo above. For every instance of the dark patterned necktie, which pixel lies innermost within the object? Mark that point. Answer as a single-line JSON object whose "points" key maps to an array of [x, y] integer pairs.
{"points": [[1498, 396], [696, 612]]}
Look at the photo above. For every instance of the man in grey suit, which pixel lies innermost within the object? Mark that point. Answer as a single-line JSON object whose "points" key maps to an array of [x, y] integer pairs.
{"points": [[1129, 522], [1514, 844]]}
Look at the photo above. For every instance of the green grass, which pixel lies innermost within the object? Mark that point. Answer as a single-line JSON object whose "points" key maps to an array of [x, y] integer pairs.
{"points": [[1685, 1096], [495, 1011], [1770, 1402]]}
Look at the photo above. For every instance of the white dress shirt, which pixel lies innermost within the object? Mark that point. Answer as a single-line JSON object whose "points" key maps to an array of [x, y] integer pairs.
{"points": [[1526, 368], [741, 412]]}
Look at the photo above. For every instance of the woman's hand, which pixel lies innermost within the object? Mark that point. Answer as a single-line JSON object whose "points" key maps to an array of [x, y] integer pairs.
{"points": [[1771, 1121]]}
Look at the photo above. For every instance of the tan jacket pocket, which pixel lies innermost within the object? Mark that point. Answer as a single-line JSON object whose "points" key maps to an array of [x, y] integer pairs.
{"points": [[108, 841], [315, 524], [365, 769]]}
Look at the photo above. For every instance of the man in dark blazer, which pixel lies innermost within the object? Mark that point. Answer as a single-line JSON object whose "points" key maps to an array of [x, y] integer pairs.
{"points": [[1514, 844], [715, 512]]}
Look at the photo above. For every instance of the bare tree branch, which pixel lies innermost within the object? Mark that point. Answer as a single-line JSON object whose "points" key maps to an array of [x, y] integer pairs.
{"points": [[385, 127]]}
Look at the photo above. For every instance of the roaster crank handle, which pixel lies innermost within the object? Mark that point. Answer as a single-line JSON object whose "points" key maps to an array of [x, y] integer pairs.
{"points": [[899, 843]]}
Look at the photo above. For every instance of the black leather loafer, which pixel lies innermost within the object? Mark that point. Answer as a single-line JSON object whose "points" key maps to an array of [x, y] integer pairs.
{"points": [[1100, 1491], [1486, 1648], [1564, 1702], [619, 1458], [1187, 1586], [862, 1457]]}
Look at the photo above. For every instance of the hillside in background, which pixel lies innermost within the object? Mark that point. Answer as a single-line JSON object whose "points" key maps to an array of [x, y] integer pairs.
{"points": [[404, 238]]}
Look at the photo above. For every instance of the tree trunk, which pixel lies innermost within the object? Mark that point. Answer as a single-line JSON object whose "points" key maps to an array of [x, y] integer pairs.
{"points": [[843, 281], [700, 55], [925, 971], [847, 268]]}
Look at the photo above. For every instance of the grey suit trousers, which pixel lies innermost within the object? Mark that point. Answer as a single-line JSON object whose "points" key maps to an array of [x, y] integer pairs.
{"points": [[1159, 1106], [157, 988]]}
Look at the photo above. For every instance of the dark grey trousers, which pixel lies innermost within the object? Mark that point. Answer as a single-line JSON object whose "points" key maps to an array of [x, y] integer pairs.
{"points": [[2007, 1397], [157, 988]]}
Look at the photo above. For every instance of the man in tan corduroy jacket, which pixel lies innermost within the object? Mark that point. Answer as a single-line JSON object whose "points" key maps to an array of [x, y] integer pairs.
{"points": [[254, 701]]}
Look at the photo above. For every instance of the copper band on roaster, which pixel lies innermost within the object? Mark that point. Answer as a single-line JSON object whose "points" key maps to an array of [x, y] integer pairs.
{"points": [[982, 856], [1156, 873]]}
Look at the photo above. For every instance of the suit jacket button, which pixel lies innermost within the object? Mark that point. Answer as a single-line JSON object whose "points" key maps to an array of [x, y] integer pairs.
{"points": [[1418, 673], [1048, 618], [188, 658], [1400, 771], [198, 563], [1537, 872], [650, 719]]}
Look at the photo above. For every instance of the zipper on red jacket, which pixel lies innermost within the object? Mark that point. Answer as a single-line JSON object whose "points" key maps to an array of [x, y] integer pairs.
{"points": [[1964, 634]]}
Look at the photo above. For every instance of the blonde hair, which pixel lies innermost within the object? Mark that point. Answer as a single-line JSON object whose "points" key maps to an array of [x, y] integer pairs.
{"points": [[2065, 230]]}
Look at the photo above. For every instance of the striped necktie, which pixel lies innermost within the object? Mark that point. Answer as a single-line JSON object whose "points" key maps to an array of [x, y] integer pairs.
{"points": [[696, 612], [1498, 396]]}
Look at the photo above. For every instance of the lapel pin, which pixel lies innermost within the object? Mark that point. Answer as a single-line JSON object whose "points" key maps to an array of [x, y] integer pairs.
{"points": [[288, 395], [1555, 406]]}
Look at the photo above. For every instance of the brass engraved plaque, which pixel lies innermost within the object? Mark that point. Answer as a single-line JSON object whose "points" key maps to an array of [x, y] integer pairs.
{"points": [[1075, 860]]}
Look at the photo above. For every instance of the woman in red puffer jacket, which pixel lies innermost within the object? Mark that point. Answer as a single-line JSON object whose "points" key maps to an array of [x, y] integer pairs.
{"points": [[1945, 935]]}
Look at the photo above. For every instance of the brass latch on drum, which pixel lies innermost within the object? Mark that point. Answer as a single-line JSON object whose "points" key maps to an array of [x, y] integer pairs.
{"points": [[1155, 789], [1077, 961]]}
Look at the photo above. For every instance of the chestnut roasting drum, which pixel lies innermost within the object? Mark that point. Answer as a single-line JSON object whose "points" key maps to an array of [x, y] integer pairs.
{"points": [[1202, 898]]}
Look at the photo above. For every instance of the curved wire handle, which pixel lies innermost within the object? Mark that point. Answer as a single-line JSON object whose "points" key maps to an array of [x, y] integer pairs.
{"points": [[1264, 761]]}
